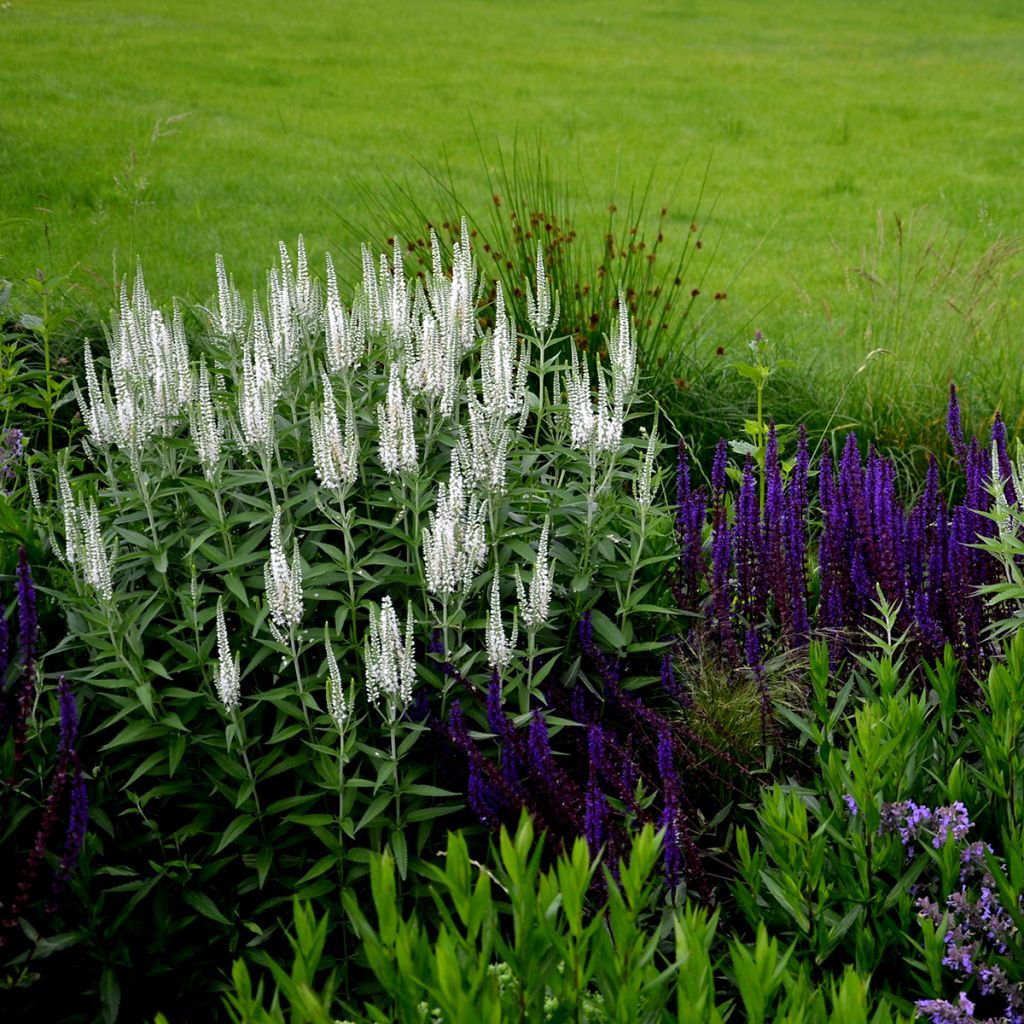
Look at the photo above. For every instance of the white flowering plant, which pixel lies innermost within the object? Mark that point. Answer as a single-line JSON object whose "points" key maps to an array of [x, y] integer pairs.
{"points": [[296, 533]]}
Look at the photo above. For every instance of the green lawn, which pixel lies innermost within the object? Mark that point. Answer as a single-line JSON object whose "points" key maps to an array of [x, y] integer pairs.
{"points": [[815, 117]]}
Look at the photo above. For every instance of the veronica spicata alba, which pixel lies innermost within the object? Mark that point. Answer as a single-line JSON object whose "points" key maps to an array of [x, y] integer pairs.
{"points": [[205, 424], [533, 609], [542, 314], [337, 706], [502, 368], [644, 496], [335, 451], [455, 541], [346, 333], [95, 561], [229, 320], [500, 647], [283, 581], [395, 423], [390, 665], [483, 449], [228, 674], [258, 391]]}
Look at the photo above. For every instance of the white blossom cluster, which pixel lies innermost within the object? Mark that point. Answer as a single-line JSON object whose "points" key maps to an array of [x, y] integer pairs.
{"points": [[397, 433], [500, 647], [84, 546], [150, 383], [535, 605], [599, 429], [345, 331], [390, 658], [644, 495], [338, 707], [483, 449], [205, 423], [542, 310], [228, 672], [283, 582], [455, 541], [335, 448], [503, 365]]}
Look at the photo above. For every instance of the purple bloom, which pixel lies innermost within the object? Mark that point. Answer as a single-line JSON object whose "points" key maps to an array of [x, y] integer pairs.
{"points": [[939, 1011], [950, 819], [718, 475], [851, 805], [953, 428]]}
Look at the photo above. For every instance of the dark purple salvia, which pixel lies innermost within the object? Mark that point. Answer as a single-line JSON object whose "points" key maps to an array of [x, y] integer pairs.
{"points": [[691, 508], [773, 574], [78, 812], [28, 616], [595, 816], [718, 470], [720, 608], [747, 545], [5, 647], [65, 775], [22, 696], [953, 428], [504, 730], [795, 539], [672, 851]]}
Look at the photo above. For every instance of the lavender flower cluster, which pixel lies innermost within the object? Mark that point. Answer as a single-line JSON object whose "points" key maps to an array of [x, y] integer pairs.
{"points": [[67, 794], [748, 568], [12, 451], [978, 927]]}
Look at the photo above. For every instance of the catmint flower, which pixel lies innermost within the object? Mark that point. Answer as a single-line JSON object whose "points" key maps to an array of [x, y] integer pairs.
{"points": [[335, 451], [395, 422], [940, 1011], [205, 425], [390, 666], [540, 311], [533, 609], [283, 582], [337, 706], [500, 648], [952, 819], [12, 451], [228, 674], [851, 805]]}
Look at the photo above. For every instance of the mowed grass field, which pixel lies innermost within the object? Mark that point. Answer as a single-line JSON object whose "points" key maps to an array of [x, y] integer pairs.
{"points": [[820, 122]]}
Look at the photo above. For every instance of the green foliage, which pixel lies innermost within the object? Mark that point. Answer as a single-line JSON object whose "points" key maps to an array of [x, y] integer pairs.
{"points": [[512, 942], [215, 813]]}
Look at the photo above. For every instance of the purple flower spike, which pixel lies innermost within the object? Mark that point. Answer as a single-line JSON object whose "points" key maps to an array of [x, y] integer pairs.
{"points": [[718, 475], [28, 618], [953, 428]]}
